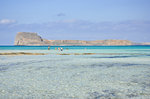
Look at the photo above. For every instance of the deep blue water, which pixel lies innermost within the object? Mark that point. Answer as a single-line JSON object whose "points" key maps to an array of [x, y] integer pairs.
{"points": [[72, 47]]}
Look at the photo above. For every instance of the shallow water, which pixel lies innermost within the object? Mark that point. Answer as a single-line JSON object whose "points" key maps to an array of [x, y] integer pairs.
{"points": [[105, 75]]}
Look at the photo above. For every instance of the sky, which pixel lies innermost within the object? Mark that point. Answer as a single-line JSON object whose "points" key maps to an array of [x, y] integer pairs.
{"points": [[76, 19]]}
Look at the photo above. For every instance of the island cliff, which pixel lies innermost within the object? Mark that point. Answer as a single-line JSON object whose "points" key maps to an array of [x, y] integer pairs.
{"points": [[26, 38]]}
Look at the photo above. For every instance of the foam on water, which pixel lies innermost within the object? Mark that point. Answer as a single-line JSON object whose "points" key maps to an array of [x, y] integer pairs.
{"points": [[52, 76]]}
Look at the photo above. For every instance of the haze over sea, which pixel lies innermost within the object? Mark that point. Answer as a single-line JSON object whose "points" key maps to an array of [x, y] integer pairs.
{"points": [[77, 72]]}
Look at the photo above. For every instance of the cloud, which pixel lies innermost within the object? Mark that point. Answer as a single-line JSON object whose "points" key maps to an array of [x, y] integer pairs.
{"points": [[138, 31], [61, 14], [99, 27], [7, 21]]}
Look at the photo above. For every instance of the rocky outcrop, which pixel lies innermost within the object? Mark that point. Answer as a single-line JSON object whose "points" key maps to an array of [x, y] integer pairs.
{"points": [[26, 38], [80, 42], [117, 42], [146, 43]]}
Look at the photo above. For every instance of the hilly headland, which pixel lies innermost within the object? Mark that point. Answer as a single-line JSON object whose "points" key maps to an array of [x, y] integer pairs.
{"points": [[28, 38]]}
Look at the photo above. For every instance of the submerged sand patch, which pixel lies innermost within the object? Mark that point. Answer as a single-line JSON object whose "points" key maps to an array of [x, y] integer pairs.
{"points": [[101, 54], [22, 53], [88, 54], [77, 54]]}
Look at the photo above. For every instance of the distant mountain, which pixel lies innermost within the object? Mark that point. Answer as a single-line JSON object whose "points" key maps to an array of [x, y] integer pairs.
{"points": [[146, 43], [26, 38]]}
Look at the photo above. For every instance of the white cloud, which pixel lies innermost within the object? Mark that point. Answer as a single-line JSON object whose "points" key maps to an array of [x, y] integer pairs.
{"points": [[7, 21]]}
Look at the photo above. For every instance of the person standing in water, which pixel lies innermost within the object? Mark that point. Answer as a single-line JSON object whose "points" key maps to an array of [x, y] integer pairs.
{"points": [[61, 49], [48, 48]]}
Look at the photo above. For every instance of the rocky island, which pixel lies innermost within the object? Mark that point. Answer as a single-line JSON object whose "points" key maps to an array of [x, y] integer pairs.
{"points": [[27, 38]]}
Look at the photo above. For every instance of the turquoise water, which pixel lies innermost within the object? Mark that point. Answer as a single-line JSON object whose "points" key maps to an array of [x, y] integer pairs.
{"points": [[71, 47], [114, 72]]}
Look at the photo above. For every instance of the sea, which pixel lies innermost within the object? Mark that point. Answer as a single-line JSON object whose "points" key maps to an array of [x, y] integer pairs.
{"points": [[76, 72]]}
